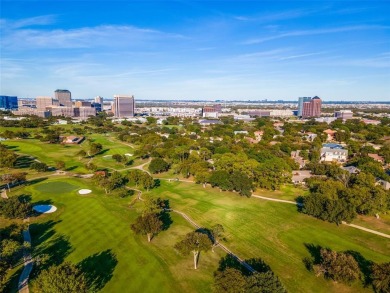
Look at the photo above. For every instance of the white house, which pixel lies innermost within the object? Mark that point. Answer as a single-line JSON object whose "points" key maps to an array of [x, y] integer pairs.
{"points": [[332, 152]]}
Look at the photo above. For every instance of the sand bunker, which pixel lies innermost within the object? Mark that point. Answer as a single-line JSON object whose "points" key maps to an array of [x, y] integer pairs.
{"points": [[45, 208], [130, 155], [84, 191]]}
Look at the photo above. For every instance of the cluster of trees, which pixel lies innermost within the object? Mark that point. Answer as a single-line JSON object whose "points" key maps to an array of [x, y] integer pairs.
{"points": [[13, 178], [8, 157], [115, 181], [332, 200], [9, 134], [11, 250], [65, 277], [140, 178], [122, 159], [39, 166], [15, 207], [338, 266], [344, 267], [232, 277], [158, 165], [237, 181], [190, 152], [109, 182]]}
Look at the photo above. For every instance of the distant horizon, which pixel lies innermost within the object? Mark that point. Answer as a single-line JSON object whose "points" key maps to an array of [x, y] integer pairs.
{"points": [[216, 101], [209, 50]]}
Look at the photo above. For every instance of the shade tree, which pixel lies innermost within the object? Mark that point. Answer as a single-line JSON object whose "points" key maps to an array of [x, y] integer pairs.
{"points": [[194, 242]]}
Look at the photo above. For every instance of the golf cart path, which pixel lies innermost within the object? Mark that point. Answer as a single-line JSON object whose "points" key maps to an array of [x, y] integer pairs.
{"points": [[28, 263], [193, 223]]}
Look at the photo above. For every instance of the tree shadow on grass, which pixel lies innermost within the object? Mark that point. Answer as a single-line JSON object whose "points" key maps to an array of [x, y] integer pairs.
{"points": [[230, 261], [165, 218], [12, 283], [41, 232], [35, 181], [365, 266], [24, 162], [71, 168], [56, 249], [98, 269]]}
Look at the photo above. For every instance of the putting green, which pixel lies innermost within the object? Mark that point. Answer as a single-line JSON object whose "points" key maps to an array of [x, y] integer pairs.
{"points": [[56, 187]]}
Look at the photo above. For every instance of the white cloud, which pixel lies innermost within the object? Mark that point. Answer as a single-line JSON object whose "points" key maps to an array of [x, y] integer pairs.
{"points": [[8, 24], [315, 32], [86, 37]]}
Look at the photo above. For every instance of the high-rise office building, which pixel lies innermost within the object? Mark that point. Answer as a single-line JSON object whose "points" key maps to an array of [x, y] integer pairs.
{"points": [[43, 102], [99, 100], [8, 103], [312, 108], [302, 100], [123, 106], [64, 97]]}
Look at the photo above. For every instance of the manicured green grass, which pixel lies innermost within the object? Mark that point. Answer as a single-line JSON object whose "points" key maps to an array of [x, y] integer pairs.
{"points": [[95, 230], [49, 153], [276, 232], [54, 187]]}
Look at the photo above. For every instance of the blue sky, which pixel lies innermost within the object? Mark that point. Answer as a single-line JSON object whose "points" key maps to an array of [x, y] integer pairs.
{"points": [[338, 50]]}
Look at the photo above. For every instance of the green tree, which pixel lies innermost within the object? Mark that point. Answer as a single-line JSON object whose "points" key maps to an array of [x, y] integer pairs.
{"points": [[194, 242], [65, 277], [81, 154], [264, 282], [338, 266], [158, 165], [230, 281], [15, 207], [147, 224], [94, 148], [60, 165], [381, 277], [39, 166]]}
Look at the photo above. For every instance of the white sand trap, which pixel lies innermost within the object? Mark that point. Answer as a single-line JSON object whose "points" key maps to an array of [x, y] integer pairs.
{"points": [[45, 208], [84, 191], [130, 155], [107, 156]]}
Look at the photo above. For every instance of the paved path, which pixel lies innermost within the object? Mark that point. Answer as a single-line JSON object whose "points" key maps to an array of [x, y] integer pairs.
{"points": [[275, 199], [193, 223], [4, 194], [367, 230], [28, 263]]}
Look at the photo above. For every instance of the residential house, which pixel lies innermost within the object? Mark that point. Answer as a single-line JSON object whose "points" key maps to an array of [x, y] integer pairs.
{"points": [[310, 136], [298, 159], [332, 152], [351, 169], [377, 158], [298, 176]]}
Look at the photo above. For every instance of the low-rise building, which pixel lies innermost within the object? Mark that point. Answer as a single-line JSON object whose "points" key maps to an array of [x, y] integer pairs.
{"points": [[298, 176], [377, 158], [332, 152], [298, 159]]}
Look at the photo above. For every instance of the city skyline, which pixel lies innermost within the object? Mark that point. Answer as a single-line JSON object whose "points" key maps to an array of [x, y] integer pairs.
{"points": [[196, 50]]}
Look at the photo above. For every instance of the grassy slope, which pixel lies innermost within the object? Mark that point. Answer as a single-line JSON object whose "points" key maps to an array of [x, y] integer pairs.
{"points": [[274, 232], [89, 225]]}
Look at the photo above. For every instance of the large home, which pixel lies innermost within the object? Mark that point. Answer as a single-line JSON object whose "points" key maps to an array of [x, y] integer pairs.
{"points": [[333, 152], [298, 176]]}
